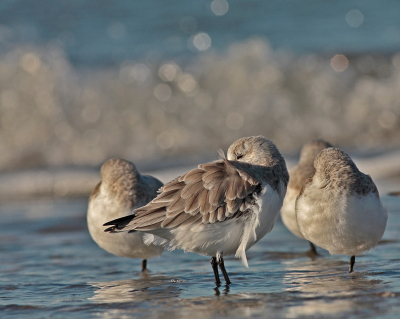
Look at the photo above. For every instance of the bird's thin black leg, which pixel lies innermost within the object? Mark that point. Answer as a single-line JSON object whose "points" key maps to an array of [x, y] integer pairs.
{"points": [[352, 261], [214, 265], [312, 253], [144, 264], [222, 266], [312, 248]]}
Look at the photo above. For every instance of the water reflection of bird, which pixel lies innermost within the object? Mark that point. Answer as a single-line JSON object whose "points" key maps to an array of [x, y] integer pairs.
{"points": [[146, 288], [122, 188], [339, 208], [220, 208], [324, 289], [224, 292], [298, 175]]}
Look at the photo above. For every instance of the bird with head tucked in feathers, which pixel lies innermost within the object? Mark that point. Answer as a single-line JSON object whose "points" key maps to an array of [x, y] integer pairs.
{"points": [[339, 208], [219, 209], [298, 175], [122, 189]]}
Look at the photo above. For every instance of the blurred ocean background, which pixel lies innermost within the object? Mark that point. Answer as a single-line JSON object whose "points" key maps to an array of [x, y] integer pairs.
{"points": [[83, 81], [166, 84]]}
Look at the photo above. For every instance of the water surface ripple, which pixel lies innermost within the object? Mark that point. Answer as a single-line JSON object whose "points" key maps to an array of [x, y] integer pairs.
{"points": [[50, 267]]}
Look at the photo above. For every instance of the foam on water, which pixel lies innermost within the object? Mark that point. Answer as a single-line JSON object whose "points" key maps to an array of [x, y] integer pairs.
{"points": [[54, 114]]}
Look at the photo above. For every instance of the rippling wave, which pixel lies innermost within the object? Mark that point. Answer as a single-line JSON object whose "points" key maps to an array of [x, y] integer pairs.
{"points": [[53, 113], [54, 269]]}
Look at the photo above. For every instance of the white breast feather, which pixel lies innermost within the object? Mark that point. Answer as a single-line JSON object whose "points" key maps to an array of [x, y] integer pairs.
{"points": [[265, 213]]}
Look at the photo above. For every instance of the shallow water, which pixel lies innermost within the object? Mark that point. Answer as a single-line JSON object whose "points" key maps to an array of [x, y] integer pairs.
{"points": [[50, 267]]}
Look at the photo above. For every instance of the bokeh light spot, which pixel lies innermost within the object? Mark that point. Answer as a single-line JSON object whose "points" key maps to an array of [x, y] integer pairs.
{"points": [[163, 92], [339, 63], [30, 63], [234, 121], [202, 41], [138, 72], [396, 60], [61, 188], [387, 119], [188, 84], [219, 7], [354, 18], [165, 140], [168, 71], [116, 30]]}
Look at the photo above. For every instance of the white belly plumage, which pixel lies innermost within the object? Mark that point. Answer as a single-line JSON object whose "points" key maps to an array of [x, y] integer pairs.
{"points": [[288, 212], [341, 224], [121, 244]]}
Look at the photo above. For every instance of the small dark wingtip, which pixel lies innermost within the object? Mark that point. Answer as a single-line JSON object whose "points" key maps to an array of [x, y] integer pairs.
{"points": [[119, 223], [109, 223], [110, 229]]}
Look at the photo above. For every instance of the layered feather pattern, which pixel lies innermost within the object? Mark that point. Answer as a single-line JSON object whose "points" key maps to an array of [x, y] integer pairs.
{"points": [[211, 193]]}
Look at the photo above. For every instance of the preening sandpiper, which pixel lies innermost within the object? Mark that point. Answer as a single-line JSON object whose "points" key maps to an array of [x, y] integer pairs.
{"points": [[298, 175], [122, 189], [219, 209], [339, 208]]}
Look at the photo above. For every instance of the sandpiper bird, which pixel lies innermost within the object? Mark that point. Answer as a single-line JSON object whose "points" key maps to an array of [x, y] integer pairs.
{"points": [[298, 175], [121, 190], [219, 209], [338, 207]]}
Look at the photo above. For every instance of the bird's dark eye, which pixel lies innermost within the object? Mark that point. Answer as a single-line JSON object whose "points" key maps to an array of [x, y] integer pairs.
{"points": [[239, 156]]}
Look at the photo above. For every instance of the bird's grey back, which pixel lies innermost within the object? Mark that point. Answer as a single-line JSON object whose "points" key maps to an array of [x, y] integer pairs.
{"points": [[311, 149], [122, 180], [336, 166], [305, 169]]}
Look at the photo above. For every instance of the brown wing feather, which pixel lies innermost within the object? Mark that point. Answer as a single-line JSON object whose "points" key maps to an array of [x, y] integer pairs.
{"points": [[218, 193], [193, 174], [205, 205], [192, 220], [152, 220], [177, 204], [171, 222], [210, 193], [173, 185], [192, 204], [213, 217], [191, 189], [166, 195], [233, 205], [221, 213]]}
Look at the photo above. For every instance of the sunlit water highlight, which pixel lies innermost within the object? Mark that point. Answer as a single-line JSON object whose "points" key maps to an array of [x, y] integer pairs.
{"points": [[50, 267]]}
